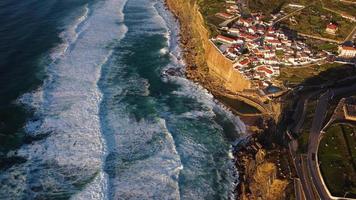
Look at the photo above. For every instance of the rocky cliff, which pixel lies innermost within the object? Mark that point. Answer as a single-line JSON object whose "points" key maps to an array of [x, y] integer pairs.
{"points": [[204, 62], [259, 177]]}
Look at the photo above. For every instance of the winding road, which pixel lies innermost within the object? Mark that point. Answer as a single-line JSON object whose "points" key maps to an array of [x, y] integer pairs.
{"points": [[307, 167], [316, 135]]}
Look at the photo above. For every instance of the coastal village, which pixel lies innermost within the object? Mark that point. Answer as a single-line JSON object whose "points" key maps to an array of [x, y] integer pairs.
{"points": [[287, 68], [259, 50]]}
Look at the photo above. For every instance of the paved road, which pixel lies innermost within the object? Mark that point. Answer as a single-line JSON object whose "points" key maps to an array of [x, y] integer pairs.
{"points": [[290, 14], [307, 166], [299, 194], [315, 137], [301, 111], [351, 36], [307, 185]]}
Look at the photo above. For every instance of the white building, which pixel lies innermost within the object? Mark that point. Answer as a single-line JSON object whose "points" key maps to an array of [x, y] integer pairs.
{"points": [[347, 51]]}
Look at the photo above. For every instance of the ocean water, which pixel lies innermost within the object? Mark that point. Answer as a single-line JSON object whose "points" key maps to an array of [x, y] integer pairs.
{"points": [[86, 112]]}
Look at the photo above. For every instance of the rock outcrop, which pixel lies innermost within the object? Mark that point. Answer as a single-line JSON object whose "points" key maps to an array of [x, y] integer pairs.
{"points": [[259, 177]]}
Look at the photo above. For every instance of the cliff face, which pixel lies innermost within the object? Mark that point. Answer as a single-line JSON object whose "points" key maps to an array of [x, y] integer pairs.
{"points": [[260, 179], [207, 65], [202, 57]]}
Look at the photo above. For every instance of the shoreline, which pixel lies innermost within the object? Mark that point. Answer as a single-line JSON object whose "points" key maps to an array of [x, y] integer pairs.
{"points": [[250, 152]]}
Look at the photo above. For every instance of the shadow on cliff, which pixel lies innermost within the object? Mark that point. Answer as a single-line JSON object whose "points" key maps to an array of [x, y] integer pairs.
{"points": [[316, 85]]}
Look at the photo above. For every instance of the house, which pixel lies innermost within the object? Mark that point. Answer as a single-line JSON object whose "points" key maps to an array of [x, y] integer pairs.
{"points": [[234, 31], [248, 37], [245, 22], [224, 15], [243, 63], [273, 42], [233, 9], [347, 51], [269, 61], [270, 30], [225, 39], [269, 54], [293, 5], [331, 28], [270, 37], [252, 30], [287, 43], [264, 71], [232, 53], [253, 45]]}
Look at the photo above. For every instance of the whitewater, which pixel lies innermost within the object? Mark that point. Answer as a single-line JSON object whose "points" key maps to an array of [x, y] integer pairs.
{"points": [[107, 125]]}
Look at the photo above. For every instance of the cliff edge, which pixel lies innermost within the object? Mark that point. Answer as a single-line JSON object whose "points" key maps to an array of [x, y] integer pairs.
{"points": [[205, 63]]}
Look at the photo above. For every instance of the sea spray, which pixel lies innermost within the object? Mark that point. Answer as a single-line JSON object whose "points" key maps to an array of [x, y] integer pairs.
{"points": [[67, 109]]}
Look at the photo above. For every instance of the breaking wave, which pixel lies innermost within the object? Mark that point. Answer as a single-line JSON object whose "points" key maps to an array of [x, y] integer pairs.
{"points": [[107, 126], [67, 151]]}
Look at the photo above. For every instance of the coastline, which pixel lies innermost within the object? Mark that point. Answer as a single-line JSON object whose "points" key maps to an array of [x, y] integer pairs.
{"points": [[250, 153]]}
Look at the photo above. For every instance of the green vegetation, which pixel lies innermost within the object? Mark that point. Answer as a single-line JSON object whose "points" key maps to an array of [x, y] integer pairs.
{"points": [[208, 8], [267, 7], [341, 7], [279, 53], [313, 20], [296, 75], [304, 136], [318, 45], [337, 155], [331, 74]]}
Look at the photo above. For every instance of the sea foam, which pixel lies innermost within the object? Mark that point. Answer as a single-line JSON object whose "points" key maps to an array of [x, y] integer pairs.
{"points": [[67, 108]]}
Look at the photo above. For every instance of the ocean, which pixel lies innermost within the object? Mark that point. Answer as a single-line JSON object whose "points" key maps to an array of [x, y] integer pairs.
{"points": [[87, 112]]}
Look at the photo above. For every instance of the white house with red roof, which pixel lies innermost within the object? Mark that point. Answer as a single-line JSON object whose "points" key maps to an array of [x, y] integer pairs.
{"points": [[331, 28], [273, 42], [234, 31], [245, 21], [224, 15], [263, 72], [269, 54], [347, 51], [248, 37], [243, 63], [225, 39]]}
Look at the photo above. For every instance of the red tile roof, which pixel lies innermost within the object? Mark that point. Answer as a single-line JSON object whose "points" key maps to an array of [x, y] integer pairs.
{"points": [[244, 61], [348, 48], [221, 37], [273, 41], [331, 26], [264, 69]]}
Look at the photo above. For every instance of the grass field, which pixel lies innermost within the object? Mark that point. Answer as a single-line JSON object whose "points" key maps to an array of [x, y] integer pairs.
{"points": [[337, 155], [267, 7], [336, 5], [297, 75], [313, 20], [208, 9], [318, 45]]}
